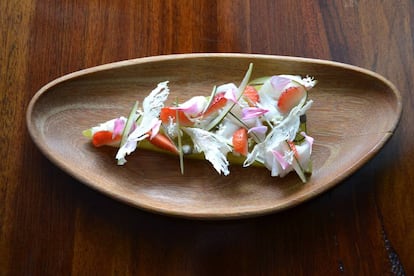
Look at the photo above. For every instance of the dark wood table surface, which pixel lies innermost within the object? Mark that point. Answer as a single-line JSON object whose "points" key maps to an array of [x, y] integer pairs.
{"points": [[52, 224]]}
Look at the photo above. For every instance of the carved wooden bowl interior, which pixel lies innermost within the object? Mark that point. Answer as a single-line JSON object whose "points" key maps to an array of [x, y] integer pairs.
{"points": [[354, 112]]}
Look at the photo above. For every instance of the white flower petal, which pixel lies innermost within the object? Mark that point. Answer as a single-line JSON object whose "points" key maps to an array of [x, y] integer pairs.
{"points": [[226, 87], [107, 126], [125, 150], [151, 110], [230, 95], [307, 82], [155, 100], [214, 147], [193, 106]]}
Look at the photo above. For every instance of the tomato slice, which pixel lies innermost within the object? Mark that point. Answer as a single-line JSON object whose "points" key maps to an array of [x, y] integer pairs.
{"points": [[251, 94], [219, 101], [104, 137], [240, 141], [168, 112]]}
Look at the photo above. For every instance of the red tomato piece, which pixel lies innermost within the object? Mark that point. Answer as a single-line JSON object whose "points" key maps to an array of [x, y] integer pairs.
{"points": [[240, 144], [104, 137]]}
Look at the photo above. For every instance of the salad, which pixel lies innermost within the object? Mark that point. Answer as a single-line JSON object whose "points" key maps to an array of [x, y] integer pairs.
{"points": [[260, 122]]}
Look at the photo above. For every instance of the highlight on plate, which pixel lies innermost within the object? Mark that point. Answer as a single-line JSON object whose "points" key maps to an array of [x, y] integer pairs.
{"points": [[260, 122]]}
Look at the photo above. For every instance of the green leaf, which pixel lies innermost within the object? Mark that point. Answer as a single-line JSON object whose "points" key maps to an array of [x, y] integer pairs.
{"points": [[210, 100], [180, 145], [87, 133], [130, 121], [259, 81]]}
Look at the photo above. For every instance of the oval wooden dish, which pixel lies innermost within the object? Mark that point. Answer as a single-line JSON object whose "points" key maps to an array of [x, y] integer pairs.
{"points": [[355, 111]]}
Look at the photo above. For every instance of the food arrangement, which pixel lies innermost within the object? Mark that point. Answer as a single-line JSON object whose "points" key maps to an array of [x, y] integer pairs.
{"points": [[260, 122]]}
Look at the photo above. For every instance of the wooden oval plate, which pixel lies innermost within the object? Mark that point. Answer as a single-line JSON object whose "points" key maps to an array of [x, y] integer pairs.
{"points": [[355, 111]]}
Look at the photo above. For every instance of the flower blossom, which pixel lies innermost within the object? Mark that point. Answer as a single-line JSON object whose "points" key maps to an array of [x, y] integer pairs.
{"points": [[150, 121]]}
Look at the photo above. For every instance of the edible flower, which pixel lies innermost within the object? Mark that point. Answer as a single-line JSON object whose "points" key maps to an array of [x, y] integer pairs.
{"points": [[193, 107], [152, 106], [214, 147], [119, 125], [258, 120], [252, 112]]}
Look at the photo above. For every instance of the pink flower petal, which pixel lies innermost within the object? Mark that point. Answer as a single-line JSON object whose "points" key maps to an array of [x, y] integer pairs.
{"points": [[308, 139], [119, 125], [258, 129], [155, 129], [193, 106], [279, 83], [280, 158], [252, 112], [230, 95]]}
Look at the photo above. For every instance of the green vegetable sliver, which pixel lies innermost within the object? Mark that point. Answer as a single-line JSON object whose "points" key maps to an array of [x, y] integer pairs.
{"points": [[131, 119], [180, 145]]}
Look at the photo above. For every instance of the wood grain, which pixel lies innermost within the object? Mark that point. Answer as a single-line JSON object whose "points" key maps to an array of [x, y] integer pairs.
{"points": [[51, 224]]}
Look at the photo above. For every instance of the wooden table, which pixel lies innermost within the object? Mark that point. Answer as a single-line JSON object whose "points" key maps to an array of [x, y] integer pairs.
{"points": [[51, 224]]}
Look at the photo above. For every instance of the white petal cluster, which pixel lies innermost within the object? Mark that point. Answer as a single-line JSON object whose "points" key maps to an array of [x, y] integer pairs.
{"points": [[151, 106], [286, 130], [213, 146], [151, 111]]}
